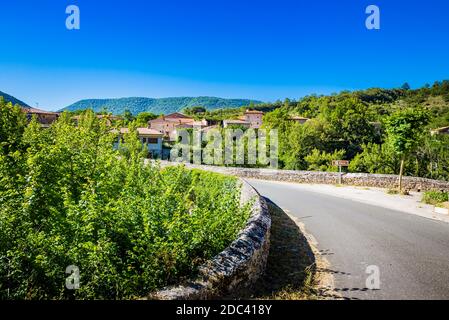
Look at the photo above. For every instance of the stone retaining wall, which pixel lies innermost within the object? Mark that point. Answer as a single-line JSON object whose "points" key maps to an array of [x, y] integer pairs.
{"points": [[236, 268], [315, 177]]}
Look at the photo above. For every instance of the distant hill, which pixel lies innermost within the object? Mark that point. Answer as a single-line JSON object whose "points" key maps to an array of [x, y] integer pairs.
{"points": [[157, 106], [13, 100]]}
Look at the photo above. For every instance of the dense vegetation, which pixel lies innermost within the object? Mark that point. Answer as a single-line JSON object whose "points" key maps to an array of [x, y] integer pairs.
{"points": [[68, 198], [379, 130], [156, 106], [376, 129]]}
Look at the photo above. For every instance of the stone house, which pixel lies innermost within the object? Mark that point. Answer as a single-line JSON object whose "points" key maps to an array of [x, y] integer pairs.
{"points": [[255, 118], [299, 119], [45, 118], [251, 119], [169, 124], [152, 138], [237, 122]]}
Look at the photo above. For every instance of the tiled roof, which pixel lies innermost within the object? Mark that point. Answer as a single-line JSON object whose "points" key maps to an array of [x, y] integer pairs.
{"points": [[298, 118], [253, 112], [176, 115], [236, 122], [173, 120], [101, 116], [38, 111], [141, 131]]}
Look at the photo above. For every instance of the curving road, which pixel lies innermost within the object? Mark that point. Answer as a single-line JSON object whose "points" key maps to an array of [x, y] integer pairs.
{"points": [[411, 252]]}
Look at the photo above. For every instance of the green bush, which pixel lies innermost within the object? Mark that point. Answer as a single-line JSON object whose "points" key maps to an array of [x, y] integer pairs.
{"points": [[68, 198], [322, 161], [435, 197]]}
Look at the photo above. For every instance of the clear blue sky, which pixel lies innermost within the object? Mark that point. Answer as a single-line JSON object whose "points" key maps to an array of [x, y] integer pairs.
{"points": [[265, 50]]}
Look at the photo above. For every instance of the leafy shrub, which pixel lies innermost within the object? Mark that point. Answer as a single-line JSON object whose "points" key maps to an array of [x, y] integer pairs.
{"points": [[68, 198], [322, 161], [435, 197]]}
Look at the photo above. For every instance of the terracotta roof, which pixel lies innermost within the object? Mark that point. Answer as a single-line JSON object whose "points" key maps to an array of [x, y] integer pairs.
{"points": [[236, 122], [101, 116], [176, 115], [175, 120], [38, 111], [141, 131], [298, 118], [253, 112]]}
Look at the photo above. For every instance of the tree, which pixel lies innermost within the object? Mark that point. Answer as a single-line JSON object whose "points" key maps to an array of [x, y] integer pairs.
{"points": [[322, 161], [375, 158], [143, 118], [405, 86], [128, 116], [12, 125], [404, 129], [195, 110]]}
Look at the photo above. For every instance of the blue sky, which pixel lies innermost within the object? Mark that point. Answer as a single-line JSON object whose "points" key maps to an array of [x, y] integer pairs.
{"points": [[264, 50]]}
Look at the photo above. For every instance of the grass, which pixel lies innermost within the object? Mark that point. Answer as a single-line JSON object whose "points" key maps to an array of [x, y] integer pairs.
{"points": [[396, 191], [435, 197], [392, 191]]}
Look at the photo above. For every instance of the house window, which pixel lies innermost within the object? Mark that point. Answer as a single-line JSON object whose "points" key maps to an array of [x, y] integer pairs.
{"points": [[153, 140], [144, 140]]}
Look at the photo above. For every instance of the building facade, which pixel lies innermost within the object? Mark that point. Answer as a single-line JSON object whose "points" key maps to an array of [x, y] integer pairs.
{"points": [[251, 119], [169, 125], [45, 118], [151, 138], [255, 118]]}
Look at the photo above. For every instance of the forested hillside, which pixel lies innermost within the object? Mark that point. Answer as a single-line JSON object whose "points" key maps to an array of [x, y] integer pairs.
{"points": [[376, 129], [156, 106], [13, 100]]}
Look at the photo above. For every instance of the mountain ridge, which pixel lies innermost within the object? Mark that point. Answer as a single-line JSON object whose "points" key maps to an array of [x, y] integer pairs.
{"points": [[13, 100], [157, 105]]}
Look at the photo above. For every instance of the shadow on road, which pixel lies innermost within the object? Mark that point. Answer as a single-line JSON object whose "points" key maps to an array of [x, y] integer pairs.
{"points": [[291, 262], [292, 270]]}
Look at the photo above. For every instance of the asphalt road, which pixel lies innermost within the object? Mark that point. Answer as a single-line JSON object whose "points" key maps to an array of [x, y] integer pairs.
{"points": [[411, 252]]}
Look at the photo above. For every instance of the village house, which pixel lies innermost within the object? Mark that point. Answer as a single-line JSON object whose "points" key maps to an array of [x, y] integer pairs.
{"points": [[443, 130], [251, 119], [169, 125], [110, 119], [300, 120], [152, 138], [236, 122], [45, 118], [254, 118], [190, 125]]}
